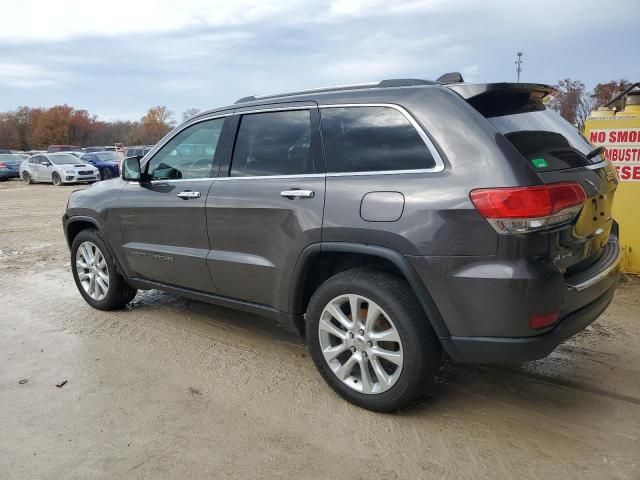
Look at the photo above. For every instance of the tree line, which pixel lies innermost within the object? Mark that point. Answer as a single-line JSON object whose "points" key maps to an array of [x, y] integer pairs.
{"points": [[29, 128], [575, 103]]}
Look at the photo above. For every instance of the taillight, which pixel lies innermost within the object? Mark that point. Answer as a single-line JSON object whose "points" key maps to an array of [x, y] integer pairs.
{"points": [[3, 165], [526, 209]]}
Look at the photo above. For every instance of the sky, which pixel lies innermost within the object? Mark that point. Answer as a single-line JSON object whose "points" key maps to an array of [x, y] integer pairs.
{"points": [[118, 58]]}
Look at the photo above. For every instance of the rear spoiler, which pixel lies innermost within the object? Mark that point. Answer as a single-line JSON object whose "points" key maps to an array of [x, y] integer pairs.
{"points": [[495, 99]]}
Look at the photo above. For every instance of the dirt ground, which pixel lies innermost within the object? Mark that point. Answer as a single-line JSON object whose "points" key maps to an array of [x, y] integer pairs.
{"points": [[173, 388]]}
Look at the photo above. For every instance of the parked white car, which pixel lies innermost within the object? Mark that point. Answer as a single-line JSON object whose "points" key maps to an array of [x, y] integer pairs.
{"points": [[57, 168]]}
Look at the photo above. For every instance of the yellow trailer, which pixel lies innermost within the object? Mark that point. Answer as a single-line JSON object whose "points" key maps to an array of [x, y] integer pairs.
{"points": [[619, 133]]}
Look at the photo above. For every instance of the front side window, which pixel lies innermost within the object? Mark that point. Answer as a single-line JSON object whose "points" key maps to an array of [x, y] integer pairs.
{"points": [[189, 154], [371, 139], [273, 143]]}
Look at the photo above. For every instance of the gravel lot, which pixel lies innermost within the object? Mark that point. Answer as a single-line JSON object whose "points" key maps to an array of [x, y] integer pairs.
{"points": [[173, 388]]}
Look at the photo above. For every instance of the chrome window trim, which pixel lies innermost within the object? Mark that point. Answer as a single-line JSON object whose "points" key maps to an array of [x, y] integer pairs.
{"points": [[299, 175], [439, 163], [302, 175], [274, 109]]}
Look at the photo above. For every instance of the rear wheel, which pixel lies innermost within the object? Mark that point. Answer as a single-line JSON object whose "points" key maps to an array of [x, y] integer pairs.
{"points": [[370, 339], [95, 274], [27, 178], [55, 178], [105, 174]]}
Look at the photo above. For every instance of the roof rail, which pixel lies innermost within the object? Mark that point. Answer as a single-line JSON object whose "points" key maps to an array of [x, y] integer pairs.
{"points": [[400, 82]]}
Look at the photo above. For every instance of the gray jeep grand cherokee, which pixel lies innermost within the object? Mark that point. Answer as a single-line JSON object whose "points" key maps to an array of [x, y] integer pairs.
{"points": [[393, 224]]}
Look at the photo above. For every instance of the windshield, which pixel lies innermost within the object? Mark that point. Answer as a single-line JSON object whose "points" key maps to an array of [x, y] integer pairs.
{"points": [[107, 156], [10, 158], [64, 159]]}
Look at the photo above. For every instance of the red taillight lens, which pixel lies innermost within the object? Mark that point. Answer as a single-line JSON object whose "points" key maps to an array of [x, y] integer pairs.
{"points": [[526, 209], [542, 321], [3, 165], [527, 202]]}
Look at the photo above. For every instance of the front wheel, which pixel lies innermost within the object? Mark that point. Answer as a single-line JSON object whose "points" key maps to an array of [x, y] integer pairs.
{"points": [[105, 174], [370, 339], [95, 274], [55, 178], [27, 178]]}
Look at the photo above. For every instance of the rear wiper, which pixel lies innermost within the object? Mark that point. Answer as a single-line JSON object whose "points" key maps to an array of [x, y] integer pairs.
{"points": [[595, 152]]}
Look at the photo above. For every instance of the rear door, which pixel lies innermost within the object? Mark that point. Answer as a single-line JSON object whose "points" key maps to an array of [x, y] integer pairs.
{"points": [[267, 205], [163, 224]]}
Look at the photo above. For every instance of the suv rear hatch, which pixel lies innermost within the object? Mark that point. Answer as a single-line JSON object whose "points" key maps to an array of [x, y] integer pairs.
{"points": [[558, 153]]}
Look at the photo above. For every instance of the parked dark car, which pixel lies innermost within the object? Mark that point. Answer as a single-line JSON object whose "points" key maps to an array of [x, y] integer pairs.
{"points": [[10, 166], [388, 223], [99, 149], [62, 148], [105, 162]]}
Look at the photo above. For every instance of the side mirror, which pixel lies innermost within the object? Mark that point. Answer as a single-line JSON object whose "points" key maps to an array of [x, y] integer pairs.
{"points": [[46, 164], [131, 169]]}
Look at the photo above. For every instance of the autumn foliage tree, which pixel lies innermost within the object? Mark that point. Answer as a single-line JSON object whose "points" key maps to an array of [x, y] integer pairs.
{"points": [[603, 93], [156, 124]]}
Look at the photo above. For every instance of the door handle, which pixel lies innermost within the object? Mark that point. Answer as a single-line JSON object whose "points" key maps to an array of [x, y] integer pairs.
{"points": [[291, 194], [188, 194]]}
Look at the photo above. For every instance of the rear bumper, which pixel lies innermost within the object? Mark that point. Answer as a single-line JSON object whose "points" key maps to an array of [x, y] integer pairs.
{"points": [[9, 174], [486, 303], [522, 349]]}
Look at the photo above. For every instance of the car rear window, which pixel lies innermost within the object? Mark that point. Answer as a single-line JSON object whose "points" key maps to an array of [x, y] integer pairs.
{"points": [[543, 137], [372, 139]]}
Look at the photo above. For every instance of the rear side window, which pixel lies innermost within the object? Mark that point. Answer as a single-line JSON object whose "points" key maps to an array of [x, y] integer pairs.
{"points": [[273, 143], [371, 139]]}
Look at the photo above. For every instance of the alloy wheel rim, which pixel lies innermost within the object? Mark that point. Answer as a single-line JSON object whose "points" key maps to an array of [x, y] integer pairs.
{"points": [[93, 272], [360, 344]]}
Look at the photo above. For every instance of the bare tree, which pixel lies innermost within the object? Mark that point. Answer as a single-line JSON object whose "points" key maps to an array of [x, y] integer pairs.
{"points": [[573, 102], [190, 112]]}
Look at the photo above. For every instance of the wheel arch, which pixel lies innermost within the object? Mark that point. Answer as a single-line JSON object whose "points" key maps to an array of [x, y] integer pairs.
{"points": [[75, 224], [315, 265]]}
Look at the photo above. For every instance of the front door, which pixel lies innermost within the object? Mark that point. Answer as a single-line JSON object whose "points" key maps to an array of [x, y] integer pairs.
{"points": [[44, 169], [164, 233], [267, 205]]}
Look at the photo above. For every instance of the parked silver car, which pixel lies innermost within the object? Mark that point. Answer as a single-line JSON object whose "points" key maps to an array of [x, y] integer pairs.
{"points": [[57, 168]]}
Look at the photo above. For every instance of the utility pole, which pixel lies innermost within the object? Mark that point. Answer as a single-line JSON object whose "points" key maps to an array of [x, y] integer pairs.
{"points": [[519, 63]]}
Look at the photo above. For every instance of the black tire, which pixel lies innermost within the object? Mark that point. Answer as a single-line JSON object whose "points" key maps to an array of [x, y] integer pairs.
{"points": [[420, 346], [105, 174], [55, 178], [27, 178], [119, 292]]}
